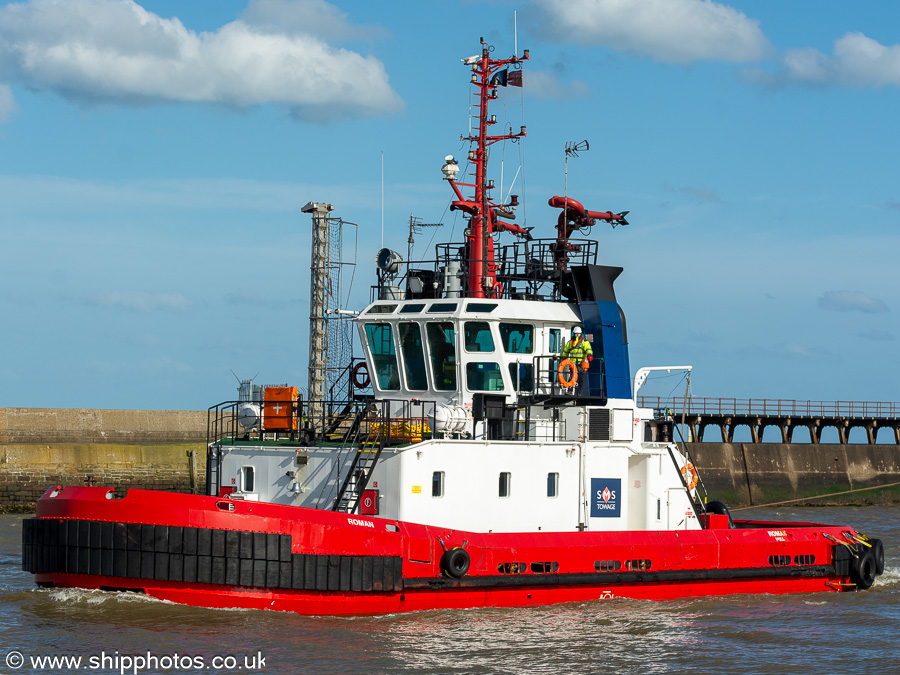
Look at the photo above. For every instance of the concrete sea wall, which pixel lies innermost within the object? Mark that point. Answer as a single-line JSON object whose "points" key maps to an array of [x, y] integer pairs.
{"points": [[744, 474], [148, 449], [166, 450]]}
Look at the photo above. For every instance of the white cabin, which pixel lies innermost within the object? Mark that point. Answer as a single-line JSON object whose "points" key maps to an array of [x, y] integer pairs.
{"points": [[484, 437]]}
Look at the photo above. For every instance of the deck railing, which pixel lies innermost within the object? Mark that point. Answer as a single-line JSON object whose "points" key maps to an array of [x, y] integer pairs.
{"points": [[778, 407]]}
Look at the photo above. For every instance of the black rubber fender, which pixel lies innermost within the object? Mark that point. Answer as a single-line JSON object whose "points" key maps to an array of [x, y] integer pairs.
{"points": [[878, 552], [455, 562], [862, 572]]}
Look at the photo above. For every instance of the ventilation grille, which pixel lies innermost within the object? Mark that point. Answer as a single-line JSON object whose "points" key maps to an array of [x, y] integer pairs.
{"points": [[598, 424]]}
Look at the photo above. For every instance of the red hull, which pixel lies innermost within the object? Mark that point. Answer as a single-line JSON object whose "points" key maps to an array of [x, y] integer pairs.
{"points": [[360, 565]]}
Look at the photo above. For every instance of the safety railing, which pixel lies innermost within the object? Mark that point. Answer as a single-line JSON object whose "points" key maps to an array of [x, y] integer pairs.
{"points": [[528, 270], [559, 378], [770, 407], [391, 422]]}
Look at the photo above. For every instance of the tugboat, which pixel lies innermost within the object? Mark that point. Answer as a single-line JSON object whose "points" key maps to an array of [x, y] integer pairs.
{"points": [[474, 461]]}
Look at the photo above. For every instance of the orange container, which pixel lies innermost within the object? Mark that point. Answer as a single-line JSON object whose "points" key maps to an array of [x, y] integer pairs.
{"points": [[278, 409]]}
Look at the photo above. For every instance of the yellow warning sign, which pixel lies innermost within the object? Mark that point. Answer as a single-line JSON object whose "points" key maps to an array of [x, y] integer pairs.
{"points": [[417, 489]]}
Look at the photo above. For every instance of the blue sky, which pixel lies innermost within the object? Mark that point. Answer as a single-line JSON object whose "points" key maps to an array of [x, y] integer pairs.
{"points": [[154, 157]]}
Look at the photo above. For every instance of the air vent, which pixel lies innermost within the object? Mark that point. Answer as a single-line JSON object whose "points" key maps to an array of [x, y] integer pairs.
{"points": [[598, 424]]}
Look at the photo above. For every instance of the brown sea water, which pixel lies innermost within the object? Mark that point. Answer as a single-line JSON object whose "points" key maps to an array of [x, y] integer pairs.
{"points": [[811, 633]]}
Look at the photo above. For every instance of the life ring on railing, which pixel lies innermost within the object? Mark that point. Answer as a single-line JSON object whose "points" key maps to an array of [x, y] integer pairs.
{"points": [[567, 380], [360, 382], [690, 475]]}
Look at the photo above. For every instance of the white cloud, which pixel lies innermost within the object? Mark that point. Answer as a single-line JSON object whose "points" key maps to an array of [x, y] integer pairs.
{"points": [[96, 51], [670, 31], [851, 301], [858, 61], [546, 85], [7, 103], [141, 302], [309, 17]]}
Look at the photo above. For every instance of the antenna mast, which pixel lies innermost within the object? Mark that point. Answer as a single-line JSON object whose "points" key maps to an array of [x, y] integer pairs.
{"points": [[483, 214]]}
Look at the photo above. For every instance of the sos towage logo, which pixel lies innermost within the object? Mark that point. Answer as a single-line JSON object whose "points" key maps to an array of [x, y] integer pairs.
{"points": [[605, 497]]}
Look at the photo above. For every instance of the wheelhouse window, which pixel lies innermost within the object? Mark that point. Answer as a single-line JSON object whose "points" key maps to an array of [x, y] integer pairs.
{"points": [[554, 341], [478, 336], [437, 484], [552, 484], [442, 349], [481, 306], [484, 376], [381, 343], [381, 309], [517, 338], [505, 480], [413, 356], [248, 478], [522, 376]]}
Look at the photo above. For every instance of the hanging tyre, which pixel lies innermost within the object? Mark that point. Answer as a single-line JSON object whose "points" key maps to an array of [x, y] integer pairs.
{"points": [[878, 552], [455, 562], [863, 570]]}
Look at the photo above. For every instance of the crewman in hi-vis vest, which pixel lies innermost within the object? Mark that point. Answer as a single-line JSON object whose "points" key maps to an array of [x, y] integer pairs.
{"points": [[579, 350]]}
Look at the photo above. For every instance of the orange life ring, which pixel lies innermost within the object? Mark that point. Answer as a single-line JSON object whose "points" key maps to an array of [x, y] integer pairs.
{"points": [[365, 380], [690, 475], [572, 379]]}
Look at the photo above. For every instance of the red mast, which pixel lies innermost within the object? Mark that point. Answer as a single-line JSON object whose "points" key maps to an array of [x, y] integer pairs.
{"points": [[484, 215]]}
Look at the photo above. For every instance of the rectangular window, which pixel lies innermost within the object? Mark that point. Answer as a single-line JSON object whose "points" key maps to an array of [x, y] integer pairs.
{"points": [[505, 479], [381, 309], [481, 307], [517, 338], [478, 337], [413, 356], [437, 484], [411, 309], [442, 349], [384, 358], [248, 478], [441, 307], [522, 376], [555, 344], [484, 376], [552, 484]]}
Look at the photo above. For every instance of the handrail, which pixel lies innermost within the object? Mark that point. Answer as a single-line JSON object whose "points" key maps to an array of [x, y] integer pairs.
{"points": [[778, 407]]}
